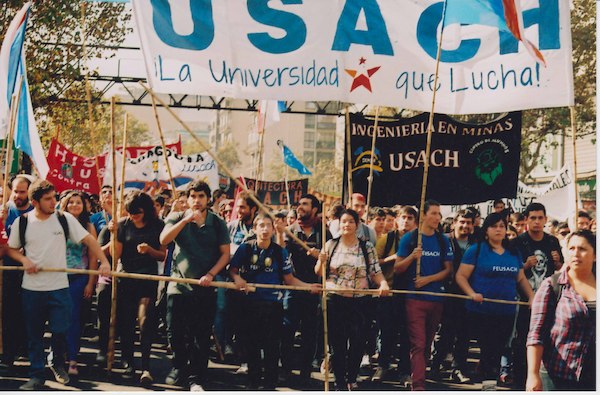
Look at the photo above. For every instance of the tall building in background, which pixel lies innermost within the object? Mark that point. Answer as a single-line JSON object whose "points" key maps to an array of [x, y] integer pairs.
{"points": [[311, 137]]}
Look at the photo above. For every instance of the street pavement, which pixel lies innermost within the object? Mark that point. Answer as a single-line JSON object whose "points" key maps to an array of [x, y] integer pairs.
{"points": [[221, 375]]}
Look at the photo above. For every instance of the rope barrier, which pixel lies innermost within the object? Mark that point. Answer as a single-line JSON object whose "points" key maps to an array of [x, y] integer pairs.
{"points": [[252, 287]]}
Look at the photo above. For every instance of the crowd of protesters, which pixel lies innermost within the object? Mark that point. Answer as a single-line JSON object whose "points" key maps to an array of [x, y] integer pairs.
{"points": [[194, 234]]}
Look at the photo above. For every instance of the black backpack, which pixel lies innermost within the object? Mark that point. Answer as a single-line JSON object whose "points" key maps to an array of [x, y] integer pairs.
{"points": [[23, 221], [393, 237]]}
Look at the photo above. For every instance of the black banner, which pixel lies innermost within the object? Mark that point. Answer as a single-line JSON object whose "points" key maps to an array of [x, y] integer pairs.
{"points": [[273, 193], [469, 163]]}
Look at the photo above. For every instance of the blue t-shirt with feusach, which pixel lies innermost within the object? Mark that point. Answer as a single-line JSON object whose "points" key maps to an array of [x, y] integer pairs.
{"points": [[431, 263], [262, 267], [495, 277]]}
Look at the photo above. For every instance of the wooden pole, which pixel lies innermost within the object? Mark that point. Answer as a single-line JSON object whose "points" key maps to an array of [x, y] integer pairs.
{"points": [[252, 286], [324, 302], [261, 146], [428, 147], [164, 146], [287, 189], [223, 167], [113, 243], [370, 179], [123, 165], [348, 156], [574, 140]]}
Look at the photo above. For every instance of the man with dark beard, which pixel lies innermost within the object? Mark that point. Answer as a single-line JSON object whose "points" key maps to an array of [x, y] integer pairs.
{"points": [[301, 309], [13, 325]]}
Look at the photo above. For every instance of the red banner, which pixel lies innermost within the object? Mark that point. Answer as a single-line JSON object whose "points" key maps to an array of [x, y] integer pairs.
{"points": [[71, 171]]}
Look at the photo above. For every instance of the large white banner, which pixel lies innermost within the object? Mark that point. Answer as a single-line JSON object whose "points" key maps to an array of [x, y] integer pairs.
{"points": [[360, 51], [558, 197], [148, 172]]}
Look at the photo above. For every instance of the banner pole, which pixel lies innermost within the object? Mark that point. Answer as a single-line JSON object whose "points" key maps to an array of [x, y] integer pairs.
{"points": [[574, 138], [287, 190], [370, 179], [164, 146], [223, 167], [123, 164], [16, 98], [252, 286], [428, 146], [348, 156], [113, 244], [88, 96], [324, 302]]}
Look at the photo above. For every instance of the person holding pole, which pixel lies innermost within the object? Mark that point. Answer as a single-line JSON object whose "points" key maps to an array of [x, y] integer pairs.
{"points": [[201, 251], [265, 262], [138, 246], [351, 263], [424, 312], [454, 335], [13, 324], [491, 269], [45, 294], [301, 310]]}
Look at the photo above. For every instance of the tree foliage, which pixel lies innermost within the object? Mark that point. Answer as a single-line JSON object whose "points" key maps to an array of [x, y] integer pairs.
{"points": [[55, 68]]}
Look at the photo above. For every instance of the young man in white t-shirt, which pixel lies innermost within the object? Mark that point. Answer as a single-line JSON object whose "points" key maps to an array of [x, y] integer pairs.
{"points": [[46, 294]]}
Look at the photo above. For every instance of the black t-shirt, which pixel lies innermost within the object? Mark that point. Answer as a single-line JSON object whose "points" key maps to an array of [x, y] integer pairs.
{"points": [[543, 252], [131, 236], [304, 265]]}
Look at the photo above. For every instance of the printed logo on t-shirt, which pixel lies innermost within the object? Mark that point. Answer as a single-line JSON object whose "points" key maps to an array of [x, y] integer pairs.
{"points": [[504, 269], [539, 270], [431, 253]]}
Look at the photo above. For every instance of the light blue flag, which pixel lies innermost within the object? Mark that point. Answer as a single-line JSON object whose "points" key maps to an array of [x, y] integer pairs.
{"points": [[290, 159]]}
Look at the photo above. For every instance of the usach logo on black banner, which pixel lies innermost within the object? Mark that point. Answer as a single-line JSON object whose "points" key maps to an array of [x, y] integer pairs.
{"points": [[363, 161]]}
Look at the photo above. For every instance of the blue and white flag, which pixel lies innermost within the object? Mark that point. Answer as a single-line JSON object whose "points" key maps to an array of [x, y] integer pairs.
{"points": [[12, 69], [290, 159]]}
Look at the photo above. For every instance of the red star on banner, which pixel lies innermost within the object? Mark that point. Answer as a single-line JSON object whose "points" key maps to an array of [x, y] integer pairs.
{"points": [[361, 61], [362, 79]]}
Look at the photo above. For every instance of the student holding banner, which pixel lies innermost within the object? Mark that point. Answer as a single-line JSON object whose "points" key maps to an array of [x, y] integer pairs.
{"points": [[139, 249], [350, 263], [301, 310], [424, 312], [265, 262], [13, 326], [492, 269], [201, 251], [454, 333]]}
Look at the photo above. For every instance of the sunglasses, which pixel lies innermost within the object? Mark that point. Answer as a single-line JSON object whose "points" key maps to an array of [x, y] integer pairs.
{"points": [[564, 233]]}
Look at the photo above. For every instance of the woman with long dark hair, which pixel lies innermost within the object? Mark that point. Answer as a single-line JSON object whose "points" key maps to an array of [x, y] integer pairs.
{"points": [[81, 286], [350, 264], [490, 269], [139, 249], [562, 331]]}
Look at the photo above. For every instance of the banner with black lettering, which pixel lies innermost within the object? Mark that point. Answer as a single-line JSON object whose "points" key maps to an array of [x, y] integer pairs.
{"points": [[469, 163], [273, 193]]}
